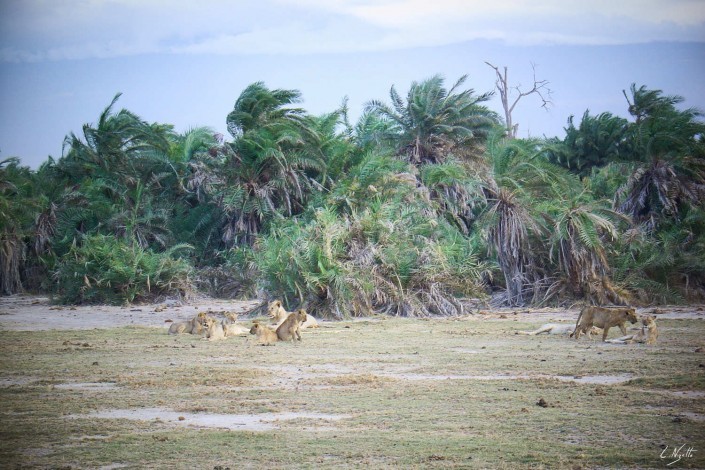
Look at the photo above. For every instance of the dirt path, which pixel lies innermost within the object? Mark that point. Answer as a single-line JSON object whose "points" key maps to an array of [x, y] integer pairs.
{"points": [[33, 313]]}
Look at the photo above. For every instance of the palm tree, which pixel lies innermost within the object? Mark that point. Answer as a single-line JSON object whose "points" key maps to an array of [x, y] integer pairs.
{"points": [[666, 266], [581, 229], [13, 225], [456, 193], [198, 156], [510, 225], [517, 179], [434, 122], [270, 167], [668, 166], [119, 179], [114, 147], [375, 244], [258, 108], [597, 141], [437, 130]]}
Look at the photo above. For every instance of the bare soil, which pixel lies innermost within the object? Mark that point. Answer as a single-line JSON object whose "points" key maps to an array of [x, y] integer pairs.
{"points": [[33, 313]]}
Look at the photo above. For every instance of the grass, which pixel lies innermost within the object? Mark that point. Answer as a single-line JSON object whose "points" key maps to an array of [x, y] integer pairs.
{"points": [[384, 384]]}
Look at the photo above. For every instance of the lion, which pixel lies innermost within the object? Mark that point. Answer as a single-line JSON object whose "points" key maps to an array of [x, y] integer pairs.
{"points": [[231, 327], [265, 335], [290, 328], [605, 318], [277, 314], [310, 322], [214, 329], [648, 333], [555, 329], [193, 326]]}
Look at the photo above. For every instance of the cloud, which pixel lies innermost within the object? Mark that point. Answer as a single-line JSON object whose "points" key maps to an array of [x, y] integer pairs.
{"points": [[410, 13], [38, 30]]}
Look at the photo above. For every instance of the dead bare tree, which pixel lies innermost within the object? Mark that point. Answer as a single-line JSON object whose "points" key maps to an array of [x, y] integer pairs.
{"points": [[540, 88]]}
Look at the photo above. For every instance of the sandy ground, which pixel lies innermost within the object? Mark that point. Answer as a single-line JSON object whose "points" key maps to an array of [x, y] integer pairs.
{"points": [[87, 393], [34, 313], [550, 314]]}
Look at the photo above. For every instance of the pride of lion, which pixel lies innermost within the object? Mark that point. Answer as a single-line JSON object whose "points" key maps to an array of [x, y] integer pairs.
{"points": [[285, 326]]}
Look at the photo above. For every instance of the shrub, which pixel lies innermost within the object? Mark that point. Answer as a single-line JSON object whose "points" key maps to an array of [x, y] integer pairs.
{"points": [[104, 269], [391, 257]]}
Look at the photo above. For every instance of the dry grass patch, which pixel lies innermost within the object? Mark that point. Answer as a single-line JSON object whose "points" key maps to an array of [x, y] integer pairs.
{"points": [[411, 393], [369, 380]]}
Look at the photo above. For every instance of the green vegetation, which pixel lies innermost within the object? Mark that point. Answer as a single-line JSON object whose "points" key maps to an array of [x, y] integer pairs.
{"points": [[103, 269], [425, 199]]}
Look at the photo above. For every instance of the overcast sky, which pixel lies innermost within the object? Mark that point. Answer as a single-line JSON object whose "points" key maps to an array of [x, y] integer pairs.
{"points": [[185, 63]]}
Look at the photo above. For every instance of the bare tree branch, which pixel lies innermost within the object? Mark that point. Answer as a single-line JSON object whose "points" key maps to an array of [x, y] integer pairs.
{"points": [[539, 87]]}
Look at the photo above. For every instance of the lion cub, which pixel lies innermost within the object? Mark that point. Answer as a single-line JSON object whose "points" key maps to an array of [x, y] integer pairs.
{"points": [[290, 329], [193, 326], [648, 333], [214, 329], [265, 335]]}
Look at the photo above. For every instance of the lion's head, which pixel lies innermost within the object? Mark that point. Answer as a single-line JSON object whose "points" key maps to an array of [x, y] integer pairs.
{"points": [[209, 321], [255, 328], [276, 310], [630, 314], [301, 315]]}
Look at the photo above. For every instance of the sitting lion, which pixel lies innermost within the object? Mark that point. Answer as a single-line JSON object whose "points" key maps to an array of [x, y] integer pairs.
{"points": [[277, 314], [605, 318], [555, 329], [193, 326], [290, 328], [214, 329], [265, 335], [648, 333]]}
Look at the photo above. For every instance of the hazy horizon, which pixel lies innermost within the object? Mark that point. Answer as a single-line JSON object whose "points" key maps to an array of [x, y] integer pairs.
{"points": [[186, 66]]}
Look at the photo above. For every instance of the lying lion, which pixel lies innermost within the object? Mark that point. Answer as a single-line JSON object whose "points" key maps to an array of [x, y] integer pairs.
{"points": [[232, 328], [555, 329], [265, 335], [193, 326], [648, 333], [278, 314], [605, 318]]}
